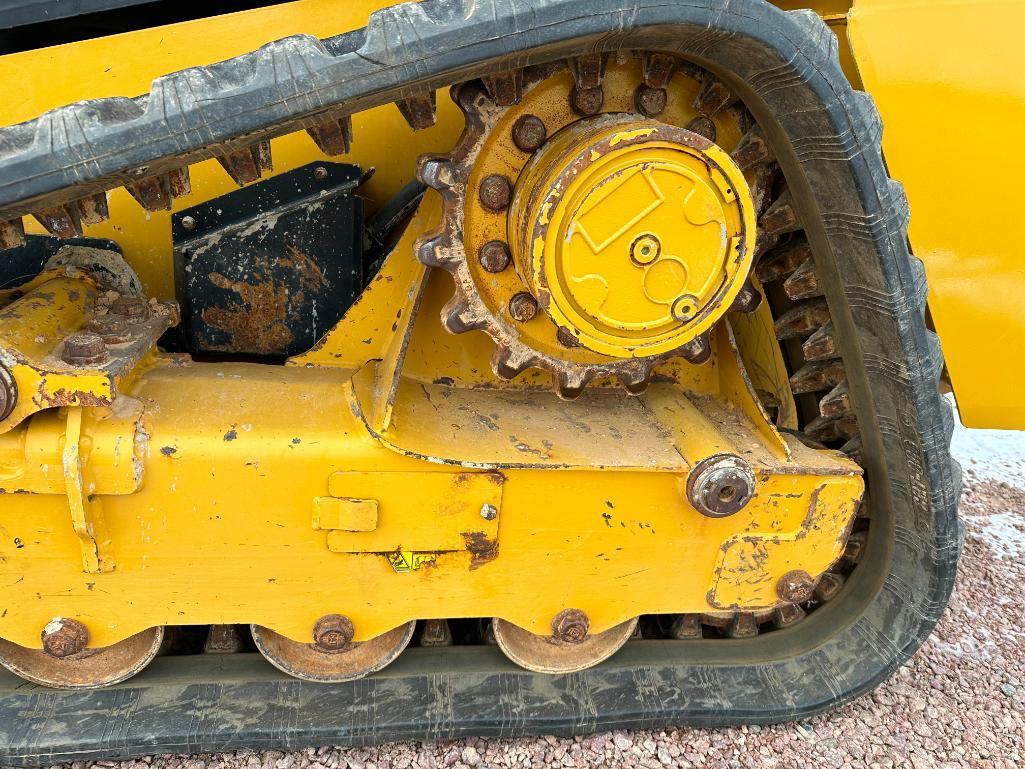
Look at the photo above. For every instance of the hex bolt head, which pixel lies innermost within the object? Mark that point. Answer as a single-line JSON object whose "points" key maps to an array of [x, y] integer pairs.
{"points": [[650, 101], [113, 329], [796, 586], [720, 485], [570, 626], [131, 307], [188, 223], [84, 349], [320, 173], [333, 633], [488, 512], [586, 101], [529, 133], [523, 307], [495, 192], [64, 637], [494, 256], [8, 393]]}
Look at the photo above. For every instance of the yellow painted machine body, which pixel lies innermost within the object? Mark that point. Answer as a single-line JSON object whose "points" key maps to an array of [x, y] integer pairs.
{"points": [[295, 473]]}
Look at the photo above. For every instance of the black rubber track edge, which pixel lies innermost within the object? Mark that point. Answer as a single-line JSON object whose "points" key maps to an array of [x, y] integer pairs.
{"points": [[826, 138]]}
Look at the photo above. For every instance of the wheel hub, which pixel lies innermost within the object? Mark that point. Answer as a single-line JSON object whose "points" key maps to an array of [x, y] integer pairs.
{"points": [[635, 236]]}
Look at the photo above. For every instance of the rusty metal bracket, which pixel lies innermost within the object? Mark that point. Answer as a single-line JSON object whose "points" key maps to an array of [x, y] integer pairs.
{"points": [[86, 513]]}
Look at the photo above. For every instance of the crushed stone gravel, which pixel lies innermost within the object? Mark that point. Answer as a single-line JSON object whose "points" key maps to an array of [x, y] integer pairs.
{"points": [[959, 702]]}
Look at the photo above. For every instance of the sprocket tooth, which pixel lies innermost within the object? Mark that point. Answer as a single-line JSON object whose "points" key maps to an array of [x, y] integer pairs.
{"points": [[93, 209], [787, 614], [817, 376], [802, 320], [658, 68], [854, 550], [438, 251], [12, 233], [697, 350], [437, 172], [804, 283], [837, 401], [570, 384], [747, 300], [781, 216], [713, 97], [821, 344], [702, 126], [459, 316], [505, 88], [752, 150], [507, 363], [61, 221], [418, 110], [247, 164], [636, 381], [332, 136], [781, 261]]}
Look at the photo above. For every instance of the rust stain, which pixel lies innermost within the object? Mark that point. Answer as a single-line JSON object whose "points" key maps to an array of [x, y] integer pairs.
{"points": [[482, 550]]}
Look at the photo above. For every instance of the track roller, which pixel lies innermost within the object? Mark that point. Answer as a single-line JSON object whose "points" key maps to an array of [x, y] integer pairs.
{"points": [[569, 649]]}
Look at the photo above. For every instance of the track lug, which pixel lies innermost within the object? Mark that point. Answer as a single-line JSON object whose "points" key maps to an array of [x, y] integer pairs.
{"points": [[93, 209], [436, 632], [752, 150], [658, 69], [837, 402], [784, 260], [713, 97], [817, 376], [12, 233], [332, 137], [419, 110], [588, 71], [804, 283], [854, 551], [780, 217], [62, 221], [505, 88], [703, 126], [828, 586], [686, 626], [802, 320], [821, 345], [787, 614], [743, 625], [832, 429], [152, 193], [223, 639], [248, 164]]}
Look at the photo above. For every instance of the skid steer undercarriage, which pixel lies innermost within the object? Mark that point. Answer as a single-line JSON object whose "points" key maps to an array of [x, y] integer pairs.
{"points": [[647, 361]]}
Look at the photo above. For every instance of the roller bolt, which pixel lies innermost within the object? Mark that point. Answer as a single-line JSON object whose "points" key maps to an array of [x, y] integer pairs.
{"points": [[494, 256], [333, 633], [131, 307], [570, 626], [586, 101], [113, 329], [84, 349], [64, 637], [523, 307], [650, 101], [796, 586], [529, 133], [495, 192], [720, 486]]}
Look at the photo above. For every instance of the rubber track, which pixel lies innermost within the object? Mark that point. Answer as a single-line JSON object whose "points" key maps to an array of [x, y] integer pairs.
{"points": [[826, 137]]}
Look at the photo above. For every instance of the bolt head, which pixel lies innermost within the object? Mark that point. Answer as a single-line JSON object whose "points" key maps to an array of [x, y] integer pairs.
{"points": [[111, 327], [494, 256], [188, 223], [529, 133], [64, 637], [488, 512], [586, 101], [333, 633], [320, 173], [720, 485], [570, 626], [645, 249], [796, 586], [84, 349], [523, 307], [650, 101], [495, 192], [131, 307]]}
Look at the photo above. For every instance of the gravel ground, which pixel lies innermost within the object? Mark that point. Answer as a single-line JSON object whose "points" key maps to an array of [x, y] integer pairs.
{"points": [[960, 702]]}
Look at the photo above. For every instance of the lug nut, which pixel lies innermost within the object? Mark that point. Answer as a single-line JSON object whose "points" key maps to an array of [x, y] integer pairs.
{"points": [[796, 586], [523, 307], [650, 101], [84, 349], [495, 192], [586, 101], [132, 307], [333, 633], [64, 637], [113, 329], [494, 256], [8, 393], [529, 133], [720, 485], [570, 626]]}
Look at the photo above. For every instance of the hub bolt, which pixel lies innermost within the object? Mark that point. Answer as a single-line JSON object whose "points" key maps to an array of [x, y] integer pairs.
{"points": [[494, 256], [112, 328], [796, 586], [132, 307], [529, 133], [720, 485], [523, 307], [64, 637], [650, 101], [495, 192], [685, 307], [586, 101], [84, 349], [645, 249], [8, 393], [570, 626], [333, 633]]}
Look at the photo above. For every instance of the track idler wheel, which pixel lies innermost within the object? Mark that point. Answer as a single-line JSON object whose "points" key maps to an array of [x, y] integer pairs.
{"points": [[570, 647], [66, 662], [332, 657]]}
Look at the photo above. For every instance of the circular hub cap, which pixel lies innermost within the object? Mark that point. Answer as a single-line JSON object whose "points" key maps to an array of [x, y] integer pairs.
{"points": [[634, 235]]}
